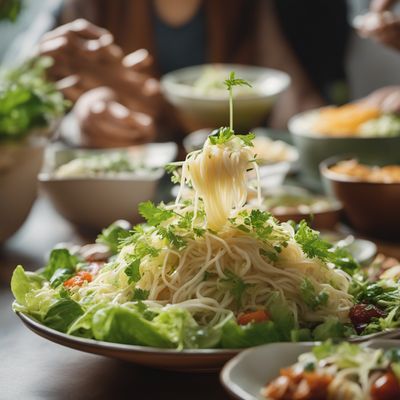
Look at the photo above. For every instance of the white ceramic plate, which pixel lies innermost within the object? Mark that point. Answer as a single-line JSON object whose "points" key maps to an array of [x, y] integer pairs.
{"points": [[246, 374], [202, 360]]}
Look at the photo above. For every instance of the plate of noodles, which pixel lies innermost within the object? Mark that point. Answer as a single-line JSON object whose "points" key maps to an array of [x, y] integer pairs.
{"points": [[311, 371], [204, 276]]}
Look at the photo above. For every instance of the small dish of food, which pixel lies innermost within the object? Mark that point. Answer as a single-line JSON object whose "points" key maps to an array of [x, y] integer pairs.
{"points": [[370, 194], [199, 94], [93, 188], [310, 371], [295, 203], [353, 128]]}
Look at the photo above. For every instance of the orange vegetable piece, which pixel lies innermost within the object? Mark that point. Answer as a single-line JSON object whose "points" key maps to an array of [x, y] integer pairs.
{"points": [[78, 279], [254, 316]]}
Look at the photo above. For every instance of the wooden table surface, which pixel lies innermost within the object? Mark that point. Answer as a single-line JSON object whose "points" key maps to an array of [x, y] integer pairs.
{"points": [[32, 368]]}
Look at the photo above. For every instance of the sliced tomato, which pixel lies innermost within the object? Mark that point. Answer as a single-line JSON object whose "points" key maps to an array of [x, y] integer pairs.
{"points": [[254, 316], [79, 279]]}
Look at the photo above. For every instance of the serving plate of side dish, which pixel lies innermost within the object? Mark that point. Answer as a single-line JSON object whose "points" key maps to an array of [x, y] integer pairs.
{"points": [[200, 360], [246, 375]]}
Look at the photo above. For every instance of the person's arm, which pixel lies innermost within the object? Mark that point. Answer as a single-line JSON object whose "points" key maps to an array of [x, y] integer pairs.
{"points": [[275, 52]]}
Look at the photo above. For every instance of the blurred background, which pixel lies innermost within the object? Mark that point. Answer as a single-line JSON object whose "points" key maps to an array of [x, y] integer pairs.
{"points": [[97, 96]]}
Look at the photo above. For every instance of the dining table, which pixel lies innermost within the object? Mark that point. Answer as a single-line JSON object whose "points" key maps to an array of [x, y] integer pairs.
{"points": [[33, 368]]}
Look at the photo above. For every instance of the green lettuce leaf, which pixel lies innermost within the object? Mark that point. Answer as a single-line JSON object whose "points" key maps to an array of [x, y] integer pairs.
{"points": [[23, 281], [238, 336], [62, 314], [281, 315], [330, 329], [29, 295], [59, 259]]}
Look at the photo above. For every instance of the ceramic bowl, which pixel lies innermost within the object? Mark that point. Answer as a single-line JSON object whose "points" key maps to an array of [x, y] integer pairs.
{"points": [[211, 109], [371, 207], [314, 148], [246, 374], [95, 202], [19, 165]]}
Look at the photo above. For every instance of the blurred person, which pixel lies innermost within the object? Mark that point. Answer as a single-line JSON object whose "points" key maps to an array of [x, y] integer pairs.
{"points": [[176, 33], [381, 23]]}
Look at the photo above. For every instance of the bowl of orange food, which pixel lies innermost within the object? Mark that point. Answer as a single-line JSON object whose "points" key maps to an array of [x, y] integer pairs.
{"points": [[366, 132], [370, 194]]}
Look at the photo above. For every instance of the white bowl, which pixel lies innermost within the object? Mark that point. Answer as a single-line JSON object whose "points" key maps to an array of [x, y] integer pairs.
{"points": [[19, 165], [246, 374], [95, 202], [211, 109]]}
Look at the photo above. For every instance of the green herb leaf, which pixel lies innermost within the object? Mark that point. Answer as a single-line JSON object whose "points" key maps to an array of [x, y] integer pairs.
{"points": [[153, 214], [133, 271], [140, 294], [176, 240], [221, 135], [247, 139], [311, 243], [233, 81]]}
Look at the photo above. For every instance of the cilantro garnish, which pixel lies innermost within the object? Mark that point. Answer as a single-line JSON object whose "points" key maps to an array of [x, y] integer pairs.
{"points": [[315, 247], [311, 243], [176, 240], [153, 214], [140, 294], [132, 271]]}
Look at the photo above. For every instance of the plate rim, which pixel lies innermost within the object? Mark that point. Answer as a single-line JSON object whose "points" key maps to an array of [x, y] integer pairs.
{"points": [[38, 328]]}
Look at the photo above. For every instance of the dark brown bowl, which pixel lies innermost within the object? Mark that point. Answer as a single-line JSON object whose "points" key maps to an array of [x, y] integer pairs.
{"points": [[371, 208]]}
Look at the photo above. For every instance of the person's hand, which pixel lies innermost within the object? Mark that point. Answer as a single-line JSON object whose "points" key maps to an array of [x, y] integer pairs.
{"points": [[386, 99], [380, 24], [85, 57], [105, 122], [128, 101]]}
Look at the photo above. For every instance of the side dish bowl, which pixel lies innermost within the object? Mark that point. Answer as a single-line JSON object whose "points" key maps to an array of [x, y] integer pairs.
{"points": [[19, 166], [314, 148], [209, 107], [371, 207], [96, 201], [246, 374]]}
